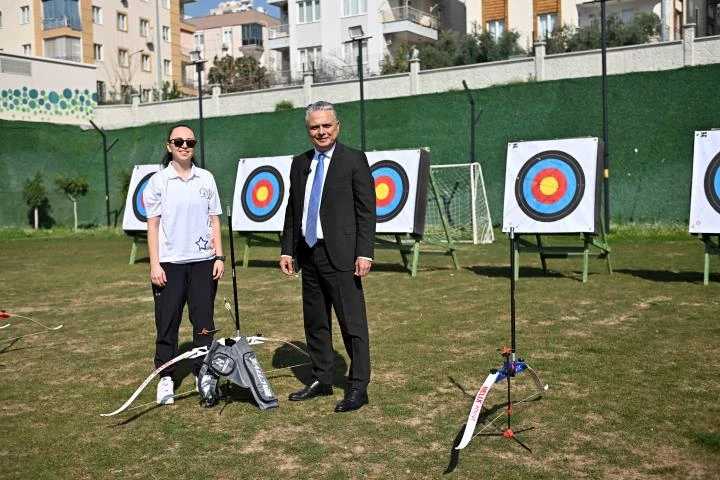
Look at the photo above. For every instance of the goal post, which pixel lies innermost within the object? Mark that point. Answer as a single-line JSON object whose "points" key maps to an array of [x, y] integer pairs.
{"points": [[462, 196]]}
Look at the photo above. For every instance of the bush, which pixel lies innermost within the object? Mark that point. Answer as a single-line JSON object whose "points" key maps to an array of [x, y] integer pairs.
{"points": [[283, 105]]}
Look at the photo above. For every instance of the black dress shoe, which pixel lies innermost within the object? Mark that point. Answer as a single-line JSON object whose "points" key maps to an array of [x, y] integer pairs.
{"points": [[355, 399], [315, 389]]}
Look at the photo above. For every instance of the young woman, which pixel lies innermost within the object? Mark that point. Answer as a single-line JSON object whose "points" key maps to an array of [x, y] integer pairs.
{"points": [[185, 247]]}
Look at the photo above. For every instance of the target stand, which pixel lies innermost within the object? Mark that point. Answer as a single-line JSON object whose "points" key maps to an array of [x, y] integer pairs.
{"points": [[555, 251], [552, 187], [711, 248], [137, 239], [411, 245]]}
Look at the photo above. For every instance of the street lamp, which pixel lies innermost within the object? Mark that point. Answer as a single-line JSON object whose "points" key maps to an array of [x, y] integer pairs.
{"points": [[199, 63], [357, 36]]}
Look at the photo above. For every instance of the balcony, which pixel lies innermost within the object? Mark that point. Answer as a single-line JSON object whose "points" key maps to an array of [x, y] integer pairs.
{"points": [[51, 23], [410, 22], [279, 38]]}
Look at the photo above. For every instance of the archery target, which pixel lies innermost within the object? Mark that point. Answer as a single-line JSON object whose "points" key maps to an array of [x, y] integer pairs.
{"points": [[261, 194], [550, 186], [135, 215], [553, 186], [391, 189], [401, 181], [705, 195]]}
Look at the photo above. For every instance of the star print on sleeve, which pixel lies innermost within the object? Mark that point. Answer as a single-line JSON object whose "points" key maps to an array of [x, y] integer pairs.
{"points": [[202, 244]]}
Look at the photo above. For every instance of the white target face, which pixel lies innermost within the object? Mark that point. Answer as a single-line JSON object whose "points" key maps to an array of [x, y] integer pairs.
{"points": [[705, 196], [262, 188], [134, 216], [552, 186]]}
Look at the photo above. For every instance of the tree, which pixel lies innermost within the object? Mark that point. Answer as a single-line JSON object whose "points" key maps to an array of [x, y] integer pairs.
{"points": [[401, 63], [639, 30], [171, 91], [35, 195], [73, 187], [238, 74]]}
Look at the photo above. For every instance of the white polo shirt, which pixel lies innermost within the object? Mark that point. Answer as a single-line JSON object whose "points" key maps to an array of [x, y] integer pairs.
{"points": [[184, 208]]}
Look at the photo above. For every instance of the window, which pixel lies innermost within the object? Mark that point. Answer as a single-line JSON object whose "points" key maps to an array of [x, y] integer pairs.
{"points": [[97, 52], [60, 14], [547, 22], [308, 11], [227, 36], [24, 14], [166, 4], [354, 7], [97, 15], [145, 95], [199, 40], [0, 19], [495, 28], [145, 62], [27, 49], [627, 15], [309, 57], [252, 34], [63, 48], [351, 53], [166, 33], [100, 88], [122, 22], [144, 27], [122, 57], [167, 67]]}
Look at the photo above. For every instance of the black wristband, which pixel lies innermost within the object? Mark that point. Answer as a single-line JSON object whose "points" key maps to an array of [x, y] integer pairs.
{"points": [[220, 257]]}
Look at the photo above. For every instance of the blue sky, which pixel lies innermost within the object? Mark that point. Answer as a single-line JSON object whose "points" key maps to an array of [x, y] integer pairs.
{"points": [[200, 8]]}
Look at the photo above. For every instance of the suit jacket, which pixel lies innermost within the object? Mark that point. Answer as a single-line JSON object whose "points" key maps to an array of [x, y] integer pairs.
{"points": [[347, 207]]}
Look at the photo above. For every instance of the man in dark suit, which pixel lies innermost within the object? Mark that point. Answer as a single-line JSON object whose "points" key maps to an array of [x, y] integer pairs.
{"points": [[329, 233]]}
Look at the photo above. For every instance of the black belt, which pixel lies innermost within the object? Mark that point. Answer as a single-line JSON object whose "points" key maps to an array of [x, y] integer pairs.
{"points": [[319, 243]]}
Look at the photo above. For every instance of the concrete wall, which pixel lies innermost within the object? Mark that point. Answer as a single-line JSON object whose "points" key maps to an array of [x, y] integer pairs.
{"points": [[650, 57], [39, 89]]}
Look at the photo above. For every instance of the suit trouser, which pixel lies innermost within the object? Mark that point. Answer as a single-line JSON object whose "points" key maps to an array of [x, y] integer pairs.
{"points": [[186, 282], [324, 287]]}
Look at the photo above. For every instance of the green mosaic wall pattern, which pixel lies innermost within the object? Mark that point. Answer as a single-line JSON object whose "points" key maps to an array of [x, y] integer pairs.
{"points": [[45, 105]]}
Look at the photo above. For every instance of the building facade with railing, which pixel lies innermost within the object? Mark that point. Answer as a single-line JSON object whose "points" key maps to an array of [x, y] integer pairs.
{"points": [[535, 20], [315, 36], [242, 33], [136, 45]]}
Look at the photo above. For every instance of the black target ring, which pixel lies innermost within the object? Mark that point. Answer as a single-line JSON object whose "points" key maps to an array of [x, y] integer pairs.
{"points": [[712, 183], [137, 200], [566, 187], [262, 193]]}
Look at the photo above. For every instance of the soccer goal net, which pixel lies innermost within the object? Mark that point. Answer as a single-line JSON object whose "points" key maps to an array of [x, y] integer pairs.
{"points": [[462, 198]]}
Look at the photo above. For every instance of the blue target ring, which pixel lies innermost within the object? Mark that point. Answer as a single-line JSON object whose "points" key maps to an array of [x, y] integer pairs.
{"points": [[137, 199], [391, 189], [550, 186], [712, 183], [262, 193]]}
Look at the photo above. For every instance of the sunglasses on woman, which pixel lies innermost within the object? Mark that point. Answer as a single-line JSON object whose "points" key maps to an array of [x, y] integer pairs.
{"points": [[178, 142]]}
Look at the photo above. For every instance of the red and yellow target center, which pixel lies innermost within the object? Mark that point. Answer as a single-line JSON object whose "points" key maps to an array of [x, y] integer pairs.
{"points": [[384, 190], [549, 186], [262, 193]]}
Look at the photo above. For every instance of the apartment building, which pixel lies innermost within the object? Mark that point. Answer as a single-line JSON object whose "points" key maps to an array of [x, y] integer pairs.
{"points": [[315, 34], [136, 45], [536, 19], [235, 29]]}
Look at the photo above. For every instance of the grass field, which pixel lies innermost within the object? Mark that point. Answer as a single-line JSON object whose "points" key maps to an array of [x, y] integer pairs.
{"points": [[629, 358]]}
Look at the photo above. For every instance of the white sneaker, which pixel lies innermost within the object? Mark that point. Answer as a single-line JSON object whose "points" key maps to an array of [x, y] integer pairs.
{"points": [[165, 391]]}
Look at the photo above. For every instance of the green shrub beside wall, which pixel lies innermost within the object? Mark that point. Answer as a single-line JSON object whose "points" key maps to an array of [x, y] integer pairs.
{"points": [[655, 113]]}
